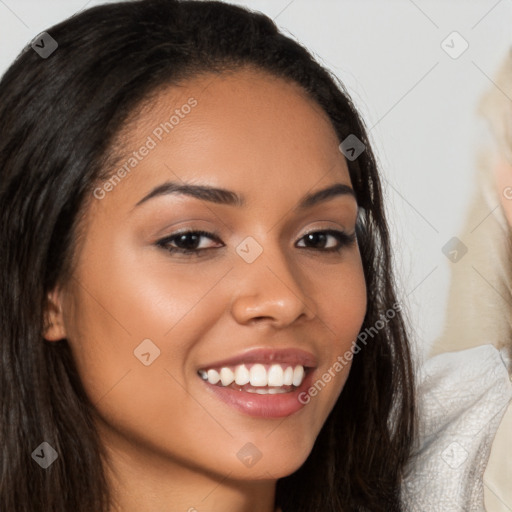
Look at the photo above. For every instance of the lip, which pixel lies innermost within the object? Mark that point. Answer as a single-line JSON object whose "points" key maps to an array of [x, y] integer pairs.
{"points": [[265, 406], [262, 406], [289, 356]]}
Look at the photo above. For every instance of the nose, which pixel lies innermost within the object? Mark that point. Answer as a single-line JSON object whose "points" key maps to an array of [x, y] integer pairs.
{"points": [[271, 290]]}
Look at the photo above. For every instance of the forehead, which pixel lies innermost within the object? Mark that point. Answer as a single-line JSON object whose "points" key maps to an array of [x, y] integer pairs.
{"points": [[243, 130]]}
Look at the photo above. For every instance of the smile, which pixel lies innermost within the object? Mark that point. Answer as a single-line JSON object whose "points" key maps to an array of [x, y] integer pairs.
{"points": [[257, 378], [262, 382]]}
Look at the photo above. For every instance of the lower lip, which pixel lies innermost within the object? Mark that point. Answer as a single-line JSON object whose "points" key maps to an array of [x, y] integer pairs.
{"points": [[263, 406]]}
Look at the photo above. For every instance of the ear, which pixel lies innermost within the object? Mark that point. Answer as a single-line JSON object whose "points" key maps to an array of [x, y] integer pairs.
{"points": [[54, 320]]}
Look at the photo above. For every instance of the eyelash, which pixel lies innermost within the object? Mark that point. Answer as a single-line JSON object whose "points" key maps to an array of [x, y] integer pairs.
{"points": [[344, 240]]}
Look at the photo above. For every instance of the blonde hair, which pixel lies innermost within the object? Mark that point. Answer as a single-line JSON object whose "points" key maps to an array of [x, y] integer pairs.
{"points": [[480, 299]]}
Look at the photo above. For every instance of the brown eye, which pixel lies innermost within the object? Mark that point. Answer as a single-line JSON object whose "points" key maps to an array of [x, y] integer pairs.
{"points": [[316, 238], [187, 242]]}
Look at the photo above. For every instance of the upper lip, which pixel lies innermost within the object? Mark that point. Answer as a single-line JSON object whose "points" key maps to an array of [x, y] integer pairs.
{"points": [[291, 356]]}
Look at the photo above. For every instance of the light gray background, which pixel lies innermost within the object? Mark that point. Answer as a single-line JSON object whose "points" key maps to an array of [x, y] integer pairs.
{"points": [[418, 103]]}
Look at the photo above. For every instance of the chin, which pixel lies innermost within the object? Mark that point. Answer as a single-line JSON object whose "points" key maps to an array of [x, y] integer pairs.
{"points": [[272, 463]]}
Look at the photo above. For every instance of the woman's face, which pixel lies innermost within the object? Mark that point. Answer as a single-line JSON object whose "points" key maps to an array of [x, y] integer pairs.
{"points": [[152, 328]]}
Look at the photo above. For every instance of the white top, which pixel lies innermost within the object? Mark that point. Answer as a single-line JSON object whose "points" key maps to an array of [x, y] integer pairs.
{"points": [[498, 473], [462, 397]]}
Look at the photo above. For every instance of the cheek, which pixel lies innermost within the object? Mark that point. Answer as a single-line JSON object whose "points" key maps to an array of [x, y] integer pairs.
{"points": [[127, 313], [132, 336], [129, 298], [341, 302]]}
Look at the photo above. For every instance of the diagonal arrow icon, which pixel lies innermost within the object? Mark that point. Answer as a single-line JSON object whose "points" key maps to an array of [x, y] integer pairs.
{"points": [[45, 455], [454, 45], [146, 352], [454, 249], [351, 147], [44, 45], [247, 252]]}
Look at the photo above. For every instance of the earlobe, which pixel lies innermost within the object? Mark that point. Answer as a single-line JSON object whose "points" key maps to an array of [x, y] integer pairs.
{"points": [[54, 322]]}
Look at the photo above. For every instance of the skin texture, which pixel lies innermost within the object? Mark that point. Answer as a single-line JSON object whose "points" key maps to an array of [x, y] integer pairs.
{"points": [[173, 445]]}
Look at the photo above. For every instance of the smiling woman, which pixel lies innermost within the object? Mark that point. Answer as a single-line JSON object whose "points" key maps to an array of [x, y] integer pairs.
{"points": [[161, 339]]}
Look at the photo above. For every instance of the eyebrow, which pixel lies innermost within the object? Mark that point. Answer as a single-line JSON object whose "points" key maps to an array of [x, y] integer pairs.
{"points": [[230, 198]]}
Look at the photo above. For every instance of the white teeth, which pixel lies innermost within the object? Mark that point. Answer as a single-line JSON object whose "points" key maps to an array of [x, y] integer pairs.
{"points": [[258, 375], [298, 375], [227, 377], [242, 375], [276, 376], [213, 376], [288, 376]]}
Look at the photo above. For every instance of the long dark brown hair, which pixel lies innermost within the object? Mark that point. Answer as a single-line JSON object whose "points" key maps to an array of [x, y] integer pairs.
{"points": [[59, 117]]}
